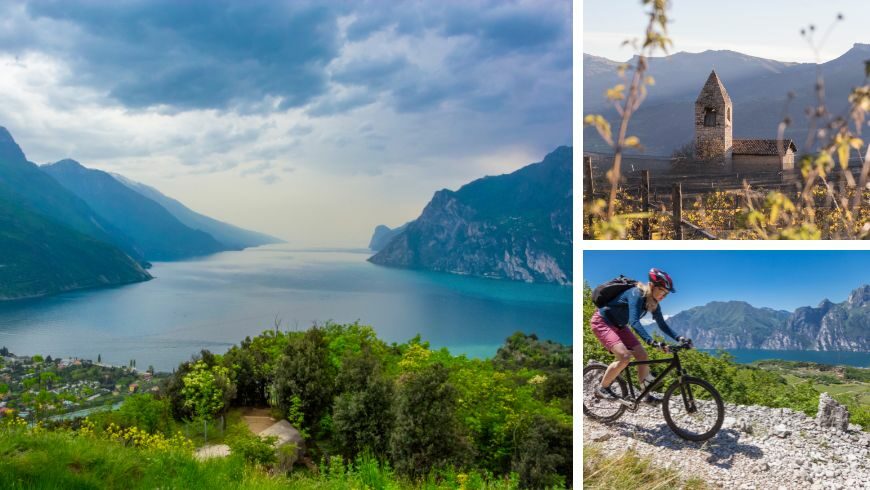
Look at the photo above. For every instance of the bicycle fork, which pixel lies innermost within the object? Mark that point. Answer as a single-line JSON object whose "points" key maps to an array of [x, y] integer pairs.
{"points": [[688, 398]]}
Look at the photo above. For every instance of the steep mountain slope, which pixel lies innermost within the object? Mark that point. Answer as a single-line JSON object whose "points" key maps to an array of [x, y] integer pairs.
{"points": [[828, 327], [39, 257], [232, 236], [515, 226], [23, 183], [155, 231]]}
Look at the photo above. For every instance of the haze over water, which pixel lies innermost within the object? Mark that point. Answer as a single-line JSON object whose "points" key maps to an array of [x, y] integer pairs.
{"points": [[216, 301]]}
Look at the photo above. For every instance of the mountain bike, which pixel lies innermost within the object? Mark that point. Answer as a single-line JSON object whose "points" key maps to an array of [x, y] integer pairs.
{"points": [[692, 408]]}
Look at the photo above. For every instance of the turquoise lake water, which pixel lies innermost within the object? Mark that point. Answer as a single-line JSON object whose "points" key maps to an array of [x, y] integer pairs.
{"points": [[214, 302], [746, 356]]}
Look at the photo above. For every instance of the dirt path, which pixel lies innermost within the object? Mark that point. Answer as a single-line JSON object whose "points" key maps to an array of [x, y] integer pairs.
{"points": [[258, 419]]}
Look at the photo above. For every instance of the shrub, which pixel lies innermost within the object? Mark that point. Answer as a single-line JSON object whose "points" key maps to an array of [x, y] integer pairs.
{"points": [[426, 433], [254, 449]]}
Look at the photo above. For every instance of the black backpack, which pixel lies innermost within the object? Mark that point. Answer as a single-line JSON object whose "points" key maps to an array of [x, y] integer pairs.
{"points": [[604, 293]]}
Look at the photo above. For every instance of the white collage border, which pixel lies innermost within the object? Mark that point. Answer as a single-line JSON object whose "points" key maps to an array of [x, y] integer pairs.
{"points": [[581, 245]]}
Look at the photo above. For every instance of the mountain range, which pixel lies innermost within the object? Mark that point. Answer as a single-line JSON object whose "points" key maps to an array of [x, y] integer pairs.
{"points": [[64, 227], [515, 226], [155, 230], [829, 326], [233, 237], [758, 88]]}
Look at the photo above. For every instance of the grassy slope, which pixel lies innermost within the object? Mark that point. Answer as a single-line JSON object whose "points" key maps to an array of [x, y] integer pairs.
{"points": [[61, 459], [628, 471]]}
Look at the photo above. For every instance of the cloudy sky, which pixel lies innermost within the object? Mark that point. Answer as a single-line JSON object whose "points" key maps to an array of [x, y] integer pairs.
{"points": [[312, 121], [767, 29]]}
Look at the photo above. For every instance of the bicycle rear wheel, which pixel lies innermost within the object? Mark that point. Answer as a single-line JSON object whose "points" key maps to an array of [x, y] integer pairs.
{"points": [[693, 409], [597, 408]]}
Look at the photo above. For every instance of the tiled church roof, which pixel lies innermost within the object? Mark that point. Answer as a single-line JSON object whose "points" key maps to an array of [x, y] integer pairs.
{"points": [[760, 147]]}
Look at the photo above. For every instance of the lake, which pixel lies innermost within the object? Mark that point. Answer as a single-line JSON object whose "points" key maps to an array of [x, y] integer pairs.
{"points": [[215, 301], [746, 356]]}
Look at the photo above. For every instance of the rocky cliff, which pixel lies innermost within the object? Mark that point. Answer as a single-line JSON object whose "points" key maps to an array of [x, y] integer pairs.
{"points": [[383, 235], [515, 226], [827, 327]]}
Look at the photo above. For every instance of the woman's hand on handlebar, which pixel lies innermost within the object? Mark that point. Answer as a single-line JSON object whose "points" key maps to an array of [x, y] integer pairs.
{"points": [[686, 341], [661, 346]]}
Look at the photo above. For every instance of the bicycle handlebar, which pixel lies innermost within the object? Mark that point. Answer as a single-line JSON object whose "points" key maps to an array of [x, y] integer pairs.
{"points": [[684, 345]]}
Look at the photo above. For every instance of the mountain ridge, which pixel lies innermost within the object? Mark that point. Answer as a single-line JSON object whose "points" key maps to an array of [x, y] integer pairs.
{"points": [[513, 226], [843, 326], [232, 236], [50, 240], [159, 234], [758, 88]]}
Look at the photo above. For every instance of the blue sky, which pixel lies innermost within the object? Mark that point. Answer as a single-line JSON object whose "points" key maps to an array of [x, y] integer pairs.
{"points": [[776, 279], [768, 29], [313, 121]]}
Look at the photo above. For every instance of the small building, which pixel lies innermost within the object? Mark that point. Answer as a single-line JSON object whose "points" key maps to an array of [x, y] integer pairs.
{"points": [[714, 123], [713, 127], [762, 154]]}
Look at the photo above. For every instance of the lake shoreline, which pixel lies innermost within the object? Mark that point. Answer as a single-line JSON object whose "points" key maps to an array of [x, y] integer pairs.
{"points": [[828, 358], [215, 301]]}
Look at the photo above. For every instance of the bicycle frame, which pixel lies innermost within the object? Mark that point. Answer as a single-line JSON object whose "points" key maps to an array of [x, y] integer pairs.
{"points": [[673, 364]]}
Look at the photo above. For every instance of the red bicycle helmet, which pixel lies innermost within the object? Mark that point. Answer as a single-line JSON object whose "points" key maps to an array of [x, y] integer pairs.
{"points": [[661, 279]]}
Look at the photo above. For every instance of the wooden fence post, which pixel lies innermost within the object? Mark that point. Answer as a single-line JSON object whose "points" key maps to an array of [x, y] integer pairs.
{"points": [[588, 194], [677, 203], [590, 183], [644, 196]]}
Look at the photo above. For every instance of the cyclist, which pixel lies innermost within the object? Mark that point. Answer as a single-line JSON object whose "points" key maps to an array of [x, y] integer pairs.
{"points": [[609, 322]]}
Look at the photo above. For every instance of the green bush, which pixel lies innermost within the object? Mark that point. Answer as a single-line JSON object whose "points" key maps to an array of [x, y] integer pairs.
{"points": [[254, 449], [427, 433]]}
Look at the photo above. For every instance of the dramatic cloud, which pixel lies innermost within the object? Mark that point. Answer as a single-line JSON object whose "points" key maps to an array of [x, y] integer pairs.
{"points": [[400, 95], [191, 55]]}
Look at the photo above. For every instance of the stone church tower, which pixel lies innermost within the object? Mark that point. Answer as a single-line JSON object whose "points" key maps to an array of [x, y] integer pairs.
{"points": [[713, 121]]}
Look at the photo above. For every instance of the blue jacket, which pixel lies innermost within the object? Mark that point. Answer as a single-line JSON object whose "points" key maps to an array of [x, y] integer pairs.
{"points": [[628, 308]]}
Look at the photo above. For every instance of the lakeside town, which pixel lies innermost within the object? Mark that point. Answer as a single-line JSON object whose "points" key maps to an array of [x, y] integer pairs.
{"points": [[38, 388]]}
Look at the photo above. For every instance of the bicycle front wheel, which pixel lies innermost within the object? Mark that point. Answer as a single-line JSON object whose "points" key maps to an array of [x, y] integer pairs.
{"points": [[595, 407], [693, 409]]}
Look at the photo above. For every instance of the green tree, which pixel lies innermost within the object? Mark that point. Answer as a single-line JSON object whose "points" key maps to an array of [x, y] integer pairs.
{"points": [[205, 391], [426, 434], [544, 454], [306, 372], [43, 403], [361, 415], [147, 413], [38, 359], [47, 379], [173, 386]]}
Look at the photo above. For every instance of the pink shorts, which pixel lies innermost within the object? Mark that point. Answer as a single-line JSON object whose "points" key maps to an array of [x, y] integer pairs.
{"points": [[609, 335]]}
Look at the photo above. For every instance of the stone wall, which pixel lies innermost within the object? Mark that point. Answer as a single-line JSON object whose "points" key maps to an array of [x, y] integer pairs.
{"points": [[713, 142], [753, 163]]}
